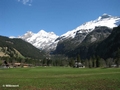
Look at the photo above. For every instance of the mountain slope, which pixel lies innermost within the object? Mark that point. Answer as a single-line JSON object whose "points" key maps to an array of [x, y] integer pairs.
{"points": [[73, 45], [106, 48], [98, 34], [10, 47], [109, 46]]}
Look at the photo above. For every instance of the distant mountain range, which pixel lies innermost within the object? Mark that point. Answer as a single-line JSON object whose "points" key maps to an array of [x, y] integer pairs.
{"points": [[99, 37], [49, 40]]}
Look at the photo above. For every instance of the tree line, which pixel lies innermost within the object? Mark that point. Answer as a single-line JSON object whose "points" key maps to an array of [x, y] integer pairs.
{"points": [[61, 60]]}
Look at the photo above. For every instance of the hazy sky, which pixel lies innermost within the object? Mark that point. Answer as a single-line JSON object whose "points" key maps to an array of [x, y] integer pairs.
{"points": [[58, 16]]}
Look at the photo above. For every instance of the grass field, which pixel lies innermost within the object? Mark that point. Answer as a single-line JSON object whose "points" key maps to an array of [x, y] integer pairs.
{"points": [[60, 78]]}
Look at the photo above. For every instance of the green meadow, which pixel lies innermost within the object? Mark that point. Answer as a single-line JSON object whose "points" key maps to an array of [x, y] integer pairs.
{"points": [[60, 78]]}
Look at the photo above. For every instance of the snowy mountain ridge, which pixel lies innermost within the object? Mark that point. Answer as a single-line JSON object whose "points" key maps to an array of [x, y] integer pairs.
{"points": [[104, 20], [41, 40], [48, 40]]}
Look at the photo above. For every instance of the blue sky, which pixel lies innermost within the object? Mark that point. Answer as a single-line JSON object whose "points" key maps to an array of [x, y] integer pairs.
{"points": [[58, 16]]}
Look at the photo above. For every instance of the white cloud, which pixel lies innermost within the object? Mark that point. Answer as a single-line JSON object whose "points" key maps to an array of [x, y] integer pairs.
{"points": [[30, 4], [26, 2]]}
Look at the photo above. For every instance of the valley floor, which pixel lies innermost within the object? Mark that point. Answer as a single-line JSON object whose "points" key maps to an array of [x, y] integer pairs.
{"points": [[60, 78]]}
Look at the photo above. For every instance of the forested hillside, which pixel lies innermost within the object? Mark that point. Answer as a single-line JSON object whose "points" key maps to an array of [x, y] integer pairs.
{"points": [[11, 46]]}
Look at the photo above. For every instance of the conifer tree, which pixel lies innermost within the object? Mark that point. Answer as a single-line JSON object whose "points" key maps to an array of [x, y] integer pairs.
{"points": [[109, 62], [90, 63], [78, 58], [98, 61], [71, 62], [94, 61], [102, 62], [118, 58], [86, 63]]}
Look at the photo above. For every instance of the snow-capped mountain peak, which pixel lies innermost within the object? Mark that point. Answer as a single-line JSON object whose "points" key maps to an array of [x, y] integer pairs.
{"points": [[28, 34], [104, 16], [41, 40], [42, 32], [104, 20]]}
